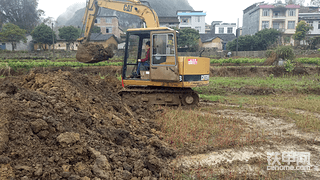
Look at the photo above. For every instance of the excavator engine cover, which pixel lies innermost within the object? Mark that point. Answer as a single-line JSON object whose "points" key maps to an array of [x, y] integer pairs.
{"points": [[93, 53]]}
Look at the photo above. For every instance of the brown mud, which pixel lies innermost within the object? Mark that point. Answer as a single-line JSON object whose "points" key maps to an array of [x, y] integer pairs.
{"points": [[93, 53], [68, 125]]}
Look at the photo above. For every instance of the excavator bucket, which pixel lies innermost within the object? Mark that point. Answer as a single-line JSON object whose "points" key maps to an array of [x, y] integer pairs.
{"points": [[93, 53]]}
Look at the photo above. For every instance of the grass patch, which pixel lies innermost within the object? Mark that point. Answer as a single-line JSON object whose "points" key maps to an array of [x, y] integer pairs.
{"points": [[194, 128], [280, 106], [214, 98], [283, 83]]}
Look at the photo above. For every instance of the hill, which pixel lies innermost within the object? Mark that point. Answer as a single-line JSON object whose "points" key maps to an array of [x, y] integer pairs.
{"points": [[162, 8]]}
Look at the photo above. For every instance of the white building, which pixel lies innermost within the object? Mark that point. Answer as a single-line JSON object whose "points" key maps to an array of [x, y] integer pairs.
{"points": [[21, 46], [225, 28], [192, 19], [278, 16], [311, 15]]}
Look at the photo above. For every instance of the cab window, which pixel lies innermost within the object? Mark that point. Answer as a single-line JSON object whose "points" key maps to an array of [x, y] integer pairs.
{"points": [[163, 49]]}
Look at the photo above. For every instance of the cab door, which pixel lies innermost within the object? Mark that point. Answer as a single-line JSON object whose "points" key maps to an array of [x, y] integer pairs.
{"points": [[163, 54]]}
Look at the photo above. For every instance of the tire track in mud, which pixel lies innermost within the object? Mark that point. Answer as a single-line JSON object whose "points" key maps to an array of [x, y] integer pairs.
{"points": [[281, 135]]}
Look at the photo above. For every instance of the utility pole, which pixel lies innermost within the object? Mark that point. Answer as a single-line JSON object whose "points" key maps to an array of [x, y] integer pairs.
{"points": [[237, 33], [53, 42]]}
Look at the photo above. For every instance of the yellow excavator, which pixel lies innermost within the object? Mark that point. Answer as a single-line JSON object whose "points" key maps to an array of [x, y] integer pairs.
{"points": [[169, 78]]}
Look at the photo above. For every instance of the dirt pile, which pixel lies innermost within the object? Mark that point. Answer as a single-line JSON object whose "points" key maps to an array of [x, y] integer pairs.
{"points": [[93, 53], [65, 125], [271, 60]]}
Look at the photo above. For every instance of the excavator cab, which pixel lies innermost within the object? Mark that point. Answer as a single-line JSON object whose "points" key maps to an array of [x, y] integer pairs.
{"points": [[163, 64]]}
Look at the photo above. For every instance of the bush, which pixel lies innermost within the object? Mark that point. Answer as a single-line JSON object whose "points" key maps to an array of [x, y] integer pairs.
{"points": [[285, 52], [269, 53]]}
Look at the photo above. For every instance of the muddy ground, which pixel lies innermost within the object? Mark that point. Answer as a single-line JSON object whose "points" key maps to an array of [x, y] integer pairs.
{"points": [[71, 124], [250, 162], [66, 125]]}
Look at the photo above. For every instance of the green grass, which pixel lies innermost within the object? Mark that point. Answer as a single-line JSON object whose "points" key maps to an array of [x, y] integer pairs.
{"points": [[14, 65], [238, 61], [284, 83]]}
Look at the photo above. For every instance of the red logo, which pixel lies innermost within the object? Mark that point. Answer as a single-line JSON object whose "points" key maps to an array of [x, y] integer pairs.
{"points": [[192, 61]]}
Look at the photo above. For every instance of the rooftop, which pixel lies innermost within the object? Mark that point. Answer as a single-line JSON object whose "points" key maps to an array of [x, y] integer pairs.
{"points": [[210, 37]]}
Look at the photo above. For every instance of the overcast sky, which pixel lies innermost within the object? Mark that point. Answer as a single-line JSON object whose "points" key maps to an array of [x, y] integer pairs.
{"points": [[227, 11]]}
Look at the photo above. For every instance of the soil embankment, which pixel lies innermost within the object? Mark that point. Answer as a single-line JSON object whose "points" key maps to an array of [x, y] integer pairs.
{"points": [[62, 125]]}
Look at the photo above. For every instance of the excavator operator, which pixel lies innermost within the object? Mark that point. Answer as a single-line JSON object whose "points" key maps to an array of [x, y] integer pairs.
{"points": [[143, 64]]}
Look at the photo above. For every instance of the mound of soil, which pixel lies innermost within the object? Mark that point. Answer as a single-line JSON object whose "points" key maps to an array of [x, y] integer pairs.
{"points": [[66, 125], [93, 53]]}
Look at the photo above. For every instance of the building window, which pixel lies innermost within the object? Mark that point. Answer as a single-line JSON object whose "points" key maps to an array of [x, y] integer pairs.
{"points": [[291, 24], [221, 30], [266, 12], [310, 23], [319, 25], [185, 20], [265, 24], [292, 12], [108, 30], [198, 19], [230, 30], [198, 28], [276, 25], [97, 21]]}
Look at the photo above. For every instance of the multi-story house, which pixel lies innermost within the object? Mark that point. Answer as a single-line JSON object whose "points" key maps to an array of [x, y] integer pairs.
{"points": [[109, 25], [171, 22], [278, 16], [311, 16], [224, 28], [192, 19]]}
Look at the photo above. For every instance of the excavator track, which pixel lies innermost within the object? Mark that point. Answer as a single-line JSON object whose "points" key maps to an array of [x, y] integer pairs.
{"points": [[159, 96]]}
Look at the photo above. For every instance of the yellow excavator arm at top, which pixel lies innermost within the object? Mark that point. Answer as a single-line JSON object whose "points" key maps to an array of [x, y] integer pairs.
{"points": [[134, 7]]}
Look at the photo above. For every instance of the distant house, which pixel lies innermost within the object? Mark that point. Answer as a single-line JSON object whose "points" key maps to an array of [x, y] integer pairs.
{"points": [[21, 46], [311, 15], [192, 19], [109, 25], [224, 28], [218, 41], [96, 38], [104, 39], [278, 16], [170, 22]]}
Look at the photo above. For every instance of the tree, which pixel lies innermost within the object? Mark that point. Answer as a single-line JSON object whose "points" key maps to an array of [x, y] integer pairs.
{"points": [[69, 34], [42, 34], [13, 34], [258, 42], [96, 29], [315, 2], [300, 2], [301, 30], [189, 38], [22, 13]]}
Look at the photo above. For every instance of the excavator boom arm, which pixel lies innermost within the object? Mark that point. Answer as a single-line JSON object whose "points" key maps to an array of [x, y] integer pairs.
{"points": [[134, 7]]}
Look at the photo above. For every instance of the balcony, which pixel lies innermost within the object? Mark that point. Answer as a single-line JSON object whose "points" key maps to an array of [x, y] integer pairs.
{"points": [[279, 17]]}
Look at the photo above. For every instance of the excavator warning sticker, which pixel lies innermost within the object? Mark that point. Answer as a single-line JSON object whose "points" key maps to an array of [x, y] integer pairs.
{"points": [[192, 61]]}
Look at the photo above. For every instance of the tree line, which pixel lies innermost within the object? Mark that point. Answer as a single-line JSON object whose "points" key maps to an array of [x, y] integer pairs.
{"points": [[266, 38], [21, 17]]}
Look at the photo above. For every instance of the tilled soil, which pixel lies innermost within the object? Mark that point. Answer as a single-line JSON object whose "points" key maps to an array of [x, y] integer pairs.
{"points": [[67, 125]]}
